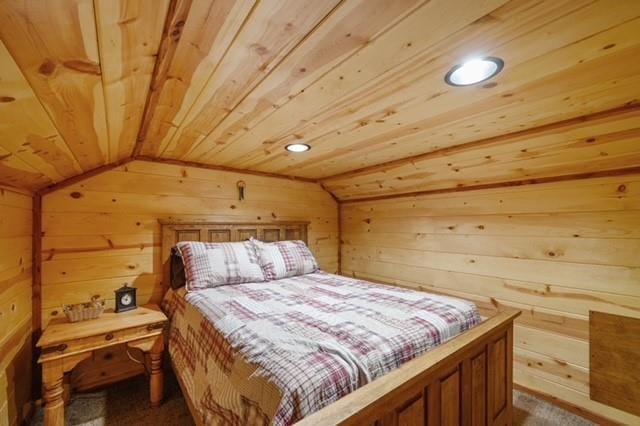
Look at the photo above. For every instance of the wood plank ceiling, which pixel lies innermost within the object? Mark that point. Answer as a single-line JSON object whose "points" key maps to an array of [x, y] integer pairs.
{"points": [[230, 82]]}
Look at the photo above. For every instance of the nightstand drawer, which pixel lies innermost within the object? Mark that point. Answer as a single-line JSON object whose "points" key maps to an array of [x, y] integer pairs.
{"points": [[100, 340]]}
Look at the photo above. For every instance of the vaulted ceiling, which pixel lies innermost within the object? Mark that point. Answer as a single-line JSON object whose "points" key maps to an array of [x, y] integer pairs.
{"points": [[230, 82]]}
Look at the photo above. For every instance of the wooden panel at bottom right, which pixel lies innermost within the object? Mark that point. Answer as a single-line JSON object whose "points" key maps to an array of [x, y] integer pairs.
{"points": [[614, 345]]}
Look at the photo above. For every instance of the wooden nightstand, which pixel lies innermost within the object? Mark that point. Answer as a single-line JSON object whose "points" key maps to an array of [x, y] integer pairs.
{"points": [[64, 345]]}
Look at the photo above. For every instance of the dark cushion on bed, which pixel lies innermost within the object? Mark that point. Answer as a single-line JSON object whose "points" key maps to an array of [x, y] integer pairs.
{"points": [[178, 277]]}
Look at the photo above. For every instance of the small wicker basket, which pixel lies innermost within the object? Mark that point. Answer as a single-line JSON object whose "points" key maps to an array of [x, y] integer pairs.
{"points": [[84, 311]]}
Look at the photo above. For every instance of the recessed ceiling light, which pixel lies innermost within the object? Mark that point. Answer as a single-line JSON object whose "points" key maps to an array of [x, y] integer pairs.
{"points": [[474, 71], [297, 147]]}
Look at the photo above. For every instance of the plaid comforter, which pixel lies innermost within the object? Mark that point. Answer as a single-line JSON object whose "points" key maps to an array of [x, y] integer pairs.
{"points": [[274, 352]]}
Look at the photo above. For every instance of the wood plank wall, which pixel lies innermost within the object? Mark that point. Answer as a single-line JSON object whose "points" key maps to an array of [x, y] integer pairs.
{"points": [[15, 304], [104, 231], [553, 250]]}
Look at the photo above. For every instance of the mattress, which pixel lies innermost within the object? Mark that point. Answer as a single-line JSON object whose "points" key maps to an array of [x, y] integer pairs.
{"points": [[274, 352]]}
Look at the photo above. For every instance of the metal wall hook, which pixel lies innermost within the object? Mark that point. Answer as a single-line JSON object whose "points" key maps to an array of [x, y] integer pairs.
{"points": [[241, 186]]}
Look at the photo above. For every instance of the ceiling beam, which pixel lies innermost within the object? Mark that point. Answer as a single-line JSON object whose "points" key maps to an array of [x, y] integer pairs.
{"points": [[222, 168], [174, 23]]}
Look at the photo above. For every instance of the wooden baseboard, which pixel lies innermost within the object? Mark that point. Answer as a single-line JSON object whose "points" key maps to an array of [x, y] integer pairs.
{"points": [[572, 408]]}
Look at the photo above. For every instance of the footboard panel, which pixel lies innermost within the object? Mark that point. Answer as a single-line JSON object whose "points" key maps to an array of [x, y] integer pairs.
{"points": [[467, 381]]}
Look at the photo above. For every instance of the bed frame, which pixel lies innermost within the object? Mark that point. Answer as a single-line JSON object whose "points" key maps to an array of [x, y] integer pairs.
{"points": [[466, 381]]}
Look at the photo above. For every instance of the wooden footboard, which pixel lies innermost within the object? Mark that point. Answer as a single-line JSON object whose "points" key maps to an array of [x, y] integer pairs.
{"points": [[467, 381]]}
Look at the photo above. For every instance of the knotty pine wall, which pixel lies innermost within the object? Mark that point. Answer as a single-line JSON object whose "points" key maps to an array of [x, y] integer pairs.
{"points": [[15, 304], [103, 231], [553, 250]]}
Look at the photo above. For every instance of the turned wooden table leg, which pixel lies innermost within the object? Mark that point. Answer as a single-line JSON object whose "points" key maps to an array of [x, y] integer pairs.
{"points": [[156, 375], [53, 384], [52, 378], [156, 378]]}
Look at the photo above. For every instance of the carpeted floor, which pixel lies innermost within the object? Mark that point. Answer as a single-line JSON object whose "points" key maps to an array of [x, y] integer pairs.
{"points": [[127, 403], [531, 411]]}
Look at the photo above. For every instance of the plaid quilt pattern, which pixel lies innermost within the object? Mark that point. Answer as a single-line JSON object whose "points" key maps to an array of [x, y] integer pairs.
{"points": [[281, 350], [214, 264], [283, 259]]}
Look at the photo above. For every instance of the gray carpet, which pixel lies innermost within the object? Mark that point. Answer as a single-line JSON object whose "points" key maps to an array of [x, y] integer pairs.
{"points": [[127, 403], [531, 411]]}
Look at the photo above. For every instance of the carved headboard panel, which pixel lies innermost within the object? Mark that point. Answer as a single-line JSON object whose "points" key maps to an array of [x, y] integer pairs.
{"points": [[174, 232]]}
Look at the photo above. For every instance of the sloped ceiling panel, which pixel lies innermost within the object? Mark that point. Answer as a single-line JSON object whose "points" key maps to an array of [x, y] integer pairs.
{"points": [[231, 83]]}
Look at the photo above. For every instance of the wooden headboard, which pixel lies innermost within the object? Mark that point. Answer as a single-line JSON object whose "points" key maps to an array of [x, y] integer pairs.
{"points": [[220, 232]]}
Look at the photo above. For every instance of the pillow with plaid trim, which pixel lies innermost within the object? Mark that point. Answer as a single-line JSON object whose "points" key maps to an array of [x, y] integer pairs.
{"points": [[210, 265], [283, 259]]}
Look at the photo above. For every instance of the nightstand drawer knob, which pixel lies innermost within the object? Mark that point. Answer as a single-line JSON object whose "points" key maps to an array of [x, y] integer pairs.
{"points": [[155, 326], [51, 349], [108, 336]]}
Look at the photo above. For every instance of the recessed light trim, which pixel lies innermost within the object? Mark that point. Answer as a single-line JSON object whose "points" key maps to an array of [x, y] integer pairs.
{"points": [[297, 147], [474, 71]]}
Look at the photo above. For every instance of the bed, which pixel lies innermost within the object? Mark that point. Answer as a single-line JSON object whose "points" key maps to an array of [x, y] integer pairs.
{"points": [[326, 349]]}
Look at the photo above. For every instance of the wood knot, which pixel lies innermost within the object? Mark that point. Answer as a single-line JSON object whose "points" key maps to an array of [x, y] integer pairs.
{"points": [[7, 99], [622, 188], [490, 85], [47, 67], [260, 50], [75, 195]]}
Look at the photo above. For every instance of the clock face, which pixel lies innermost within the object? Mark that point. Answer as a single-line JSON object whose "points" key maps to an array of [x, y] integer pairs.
{"points": [[126, 299]]}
